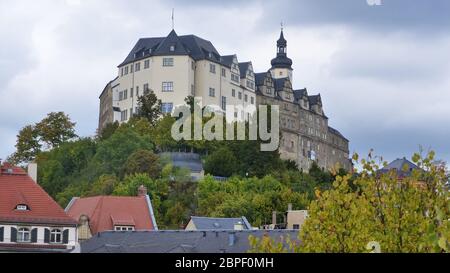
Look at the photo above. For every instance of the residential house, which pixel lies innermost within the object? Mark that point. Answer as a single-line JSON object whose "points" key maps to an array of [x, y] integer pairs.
{"points": [[30, 220], [112, 213]]}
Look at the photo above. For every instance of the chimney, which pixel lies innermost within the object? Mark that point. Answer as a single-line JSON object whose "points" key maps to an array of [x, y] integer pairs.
{"points": [[32, 171], [274, 218], [289, 207], [142, 191]]}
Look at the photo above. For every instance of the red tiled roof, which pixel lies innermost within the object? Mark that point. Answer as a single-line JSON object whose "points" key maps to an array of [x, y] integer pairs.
{"points": [[17, 188], [105, 212]]}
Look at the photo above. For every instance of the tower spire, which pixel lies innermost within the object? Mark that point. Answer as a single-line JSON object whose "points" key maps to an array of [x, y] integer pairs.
{"points": [[173, 18]]}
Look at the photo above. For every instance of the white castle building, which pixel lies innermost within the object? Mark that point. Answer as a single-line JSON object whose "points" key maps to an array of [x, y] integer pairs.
{"points": [[175, 67]]}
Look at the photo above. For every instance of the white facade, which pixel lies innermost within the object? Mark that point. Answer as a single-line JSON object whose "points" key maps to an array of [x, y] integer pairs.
{"points": [[72, 240], [175, 77]]}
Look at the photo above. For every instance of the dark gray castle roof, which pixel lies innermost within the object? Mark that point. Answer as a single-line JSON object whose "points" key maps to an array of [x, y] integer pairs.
{"points": [[336, 132], [398, 165], [243, 67], [191, 45], [279, 84], [228, 60], [208, 223], [180, 241], [299, 94], [315, 99], [259, 78]]}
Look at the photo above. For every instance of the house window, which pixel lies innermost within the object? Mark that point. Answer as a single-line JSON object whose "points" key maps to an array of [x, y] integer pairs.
{"points": [[125, 94], [246, 98], [22, 207], [224, 103], [252, 100], [56, 236], [212, 92], [240, 95], [269, 91], [212, 68], [126, 70], [224, 72], [23, 235], [167, 86], [146, 64], [296, 227], [131, 68], [121, 72], [168, 62], [124, 228], [167, 108], [138, 67]]}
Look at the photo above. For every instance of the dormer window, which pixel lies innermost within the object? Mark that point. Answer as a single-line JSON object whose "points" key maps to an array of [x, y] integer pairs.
{"points": [[124, 228], [22, 207], [172, 48]]}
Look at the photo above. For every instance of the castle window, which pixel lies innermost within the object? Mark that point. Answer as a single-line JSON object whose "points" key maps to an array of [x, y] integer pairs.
{"points": [[138, 67], [167, 61], [246, 98], [146, 64], [23, 235], [167, 108], [212, 92], [224, 103], [224, 72], [56, 236], [172, 48], [212, 68], [233, 93], [240, 95], [146, 90], [269, 91], [252, 100], [167, 86]]}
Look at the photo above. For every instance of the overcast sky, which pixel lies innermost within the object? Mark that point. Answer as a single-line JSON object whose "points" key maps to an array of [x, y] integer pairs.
{"points": [[383, 70]]}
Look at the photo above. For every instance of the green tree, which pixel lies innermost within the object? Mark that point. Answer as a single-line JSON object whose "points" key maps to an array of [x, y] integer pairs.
{"points": [[143, 161], [402, 215], [27, 146], [149, 107], [56, 129], [221, 163], [108, 131]]}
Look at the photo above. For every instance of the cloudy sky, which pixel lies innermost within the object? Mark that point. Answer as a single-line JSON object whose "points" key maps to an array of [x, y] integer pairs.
{"points": [[383, 70]]}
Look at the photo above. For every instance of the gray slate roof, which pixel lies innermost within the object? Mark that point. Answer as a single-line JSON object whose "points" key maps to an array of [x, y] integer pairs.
{"points": [[228, 60], [316, 99], [336, 132], [243, 67], [398, 165], [179, 241], [298, 94], [191, 45], [208, 223]]}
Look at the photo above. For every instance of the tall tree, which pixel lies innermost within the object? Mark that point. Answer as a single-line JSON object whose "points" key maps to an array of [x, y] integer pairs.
{"points": [[143, 162], [149, 108], [55, 129], [27, 146]]}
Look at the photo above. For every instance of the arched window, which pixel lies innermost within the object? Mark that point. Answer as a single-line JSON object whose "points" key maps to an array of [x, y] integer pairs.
{"points": [[56, 236], [23, 235]]}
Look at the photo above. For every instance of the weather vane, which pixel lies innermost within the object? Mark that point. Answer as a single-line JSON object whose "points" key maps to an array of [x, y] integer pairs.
{"points": [[282, 26], [173, 18]]}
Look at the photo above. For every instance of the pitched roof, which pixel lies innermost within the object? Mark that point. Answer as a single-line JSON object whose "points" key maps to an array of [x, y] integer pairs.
{"points": [[208, 223], [259, 78], [181, 241], [228, 60], [243, 67], [398, 165], [298, 94], [105, 212], [191, 45], [17, 188], [316, 99], [336, 132], [279, 84]]}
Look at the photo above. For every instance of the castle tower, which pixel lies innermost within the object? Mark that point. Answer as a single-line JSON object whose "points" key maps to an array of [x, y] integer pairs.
{"points": [[281, 65]]}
